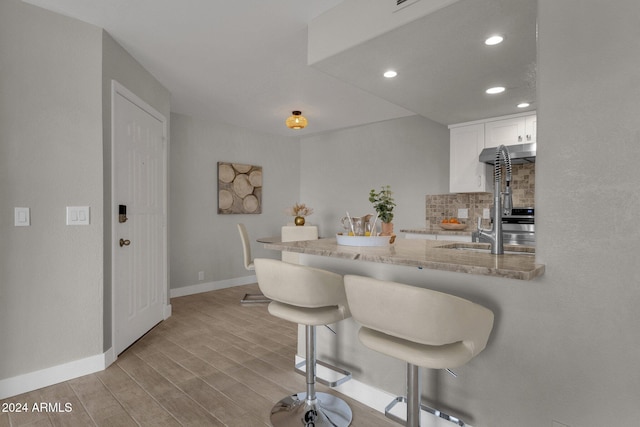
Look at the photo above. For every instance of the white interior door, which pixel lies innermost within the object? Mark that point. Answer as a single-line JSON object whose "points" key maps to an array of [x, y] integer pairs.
{"points": [[139, 245]]}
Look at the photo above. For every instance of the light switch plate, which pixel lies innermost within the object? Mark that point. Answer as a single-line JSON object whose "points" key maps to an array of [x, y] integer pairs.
{"points": [[486, 213], [22, 217], [463, 213], [78, 215]]}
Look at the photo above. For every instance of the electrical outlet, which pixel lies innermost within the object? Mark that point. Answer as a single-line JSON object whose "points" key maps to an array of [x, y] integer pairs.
{"points": [[200, 275], [486, 213], [463, 213]]}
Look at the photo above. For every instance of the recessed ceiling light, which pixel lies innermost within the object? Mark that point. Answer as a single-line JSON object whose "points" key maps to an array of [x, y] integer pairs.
{"points": [[494, 40], [523, 105], [390, 74], [494, 90]]}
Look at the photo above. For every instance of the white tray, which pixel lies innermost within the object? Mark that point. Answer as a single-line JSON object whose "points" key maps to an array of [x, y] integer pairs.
{"points": [[365, 240]]}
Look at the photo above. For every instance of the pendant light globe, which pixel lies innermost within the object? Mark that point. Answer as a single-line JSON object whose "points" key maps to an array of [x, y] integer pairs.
{"points": [[296, 120]]}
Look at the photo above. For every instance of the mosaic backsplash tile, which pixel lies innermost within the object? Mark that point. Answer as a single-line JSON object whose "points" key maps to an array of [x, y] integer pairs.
{"points": [[442, 206]]}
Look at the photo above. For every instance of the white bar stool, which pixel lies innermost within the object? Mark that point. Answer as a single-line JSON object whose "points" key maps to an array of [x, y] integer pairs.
{"points": [[423, 327], [311, 297]]}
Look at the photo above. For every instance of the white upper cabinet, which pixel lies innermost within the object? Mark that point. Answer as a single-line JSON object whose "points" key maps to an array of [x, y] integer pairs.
{"points": [[467, 140], [531, 128], [511, 131], [466, 173]]}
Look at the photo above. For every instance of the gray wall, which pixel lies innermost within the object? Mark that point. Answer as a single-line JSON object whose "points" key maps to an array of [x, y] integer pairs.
{"points": [[338, 169], [51, 274], [585, 362], [202, 240], [55, 106]]}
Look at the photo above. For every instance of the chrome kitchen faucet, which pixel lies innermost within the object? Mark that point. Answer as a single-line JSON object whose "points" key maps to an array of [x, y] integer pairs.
{"points": [[494, 235]]}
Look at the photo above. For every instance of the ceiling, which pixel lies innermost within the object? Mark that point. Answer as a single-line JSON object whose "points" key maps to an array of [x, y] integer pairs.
{"points": [[443, 64], [245, 62]]}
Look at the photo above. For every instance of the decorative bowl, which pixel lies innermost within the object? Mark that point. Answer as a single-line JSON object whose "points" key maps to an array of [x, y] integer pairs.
{"points": [[446, 226]]}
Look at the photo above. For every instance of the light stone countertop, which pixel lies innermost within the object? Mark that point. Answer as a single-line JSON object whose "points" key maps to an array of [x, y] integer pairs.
{"points": [[430, 254], [439, 231]]}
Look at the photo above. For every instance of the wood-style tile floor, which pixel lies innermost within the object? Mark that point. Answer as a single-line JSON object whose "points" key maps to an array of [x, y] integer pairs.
{"points": [[214, 362]]}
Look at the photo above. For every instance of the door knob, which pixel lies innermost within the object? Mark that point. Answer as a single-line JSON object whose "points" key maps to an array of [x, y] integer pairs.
{"points": [[124, 242]]}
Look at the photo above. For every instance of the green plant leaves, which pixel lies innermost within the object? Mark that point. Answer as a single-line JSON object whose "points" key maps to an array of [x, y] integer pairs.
{"points": [[383, 203]]}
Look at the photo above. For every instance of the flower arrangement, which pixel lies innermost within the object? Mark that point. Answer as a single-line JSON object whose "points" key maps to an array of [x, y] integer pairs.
{"points": [[383, 203], [299, 209]]}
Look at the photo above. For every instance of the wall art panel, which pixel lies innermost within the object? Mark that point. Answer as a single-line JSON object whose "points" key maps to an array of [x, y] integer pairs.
{"points": [[239, 188]]}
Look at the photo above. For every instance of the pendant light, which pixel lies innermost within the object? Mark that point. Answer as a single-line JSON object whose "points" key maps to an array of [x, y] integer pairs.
{"points": [[296, 120]]}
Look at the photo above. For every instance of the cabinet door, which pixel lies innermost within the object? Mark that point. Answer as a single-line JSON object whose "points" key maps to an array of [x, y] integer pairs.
{"points": [[466, 173], [530, 128], [505, 132]]}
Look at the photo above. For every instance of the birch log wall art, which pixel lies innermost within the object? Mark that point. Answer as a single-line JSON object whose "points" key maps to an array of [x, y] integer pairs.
{"points": [[239, 188]]}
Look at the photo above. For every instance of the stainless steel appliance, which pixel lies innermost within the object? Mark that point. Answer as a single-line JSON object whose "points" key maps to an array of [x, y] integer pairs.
{"points": [[519, 227], [519, 153]]}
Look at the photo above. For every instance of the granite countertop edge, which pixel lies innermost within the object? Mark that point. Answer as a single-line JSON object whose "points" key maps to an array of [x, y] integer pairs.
{"points": [[421, 253]]}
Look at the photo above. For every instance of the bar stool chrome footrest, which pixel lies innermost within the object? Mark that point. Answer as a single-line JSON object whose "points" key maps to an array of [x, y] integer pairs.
{"points": [[437, 413], [346, 375], [254, 299], [324, 411]]}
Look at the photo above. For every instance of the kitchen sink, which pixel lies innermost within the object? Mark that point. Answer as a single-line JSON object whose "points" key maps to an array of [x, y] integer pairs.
{"points": [[486, 248]]}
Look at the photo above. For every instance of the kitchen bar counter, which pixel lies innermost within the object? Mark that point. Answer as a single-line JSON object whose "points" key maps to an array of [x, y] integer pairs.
{"points": [[429, 254]]}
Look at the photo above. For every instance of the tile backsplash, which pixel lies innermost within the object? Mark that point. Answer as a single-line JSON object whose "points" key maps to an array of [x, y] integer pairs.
{"points": [[442, 206]]}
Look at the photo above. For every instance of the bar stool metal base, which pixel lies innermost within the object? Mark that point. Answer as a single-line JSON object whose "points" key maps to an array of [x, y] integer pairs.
{"points": [[437, 413], [325, 411]]}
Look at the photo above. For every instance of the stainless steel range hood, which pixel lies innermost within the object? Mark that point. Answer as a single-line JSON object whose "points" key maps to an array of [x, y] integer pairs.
{"points": [[520, 153]]}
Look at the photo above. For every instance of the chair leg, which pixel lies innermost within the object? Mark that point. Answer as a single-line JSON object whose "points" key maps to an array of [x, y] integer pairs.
{"points": [[412, 400], [310, 349], [311, 408], [346, 375], [413, 395]]}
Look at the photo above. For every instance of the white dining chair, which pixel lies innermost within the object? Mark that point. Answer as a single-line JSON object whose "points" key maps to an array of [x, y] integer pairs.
{"points": [[248, 264]]}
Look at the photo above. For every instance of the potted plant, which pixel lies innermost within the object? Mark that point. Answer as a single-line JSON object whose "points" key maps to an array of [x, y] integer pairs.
{"points": [[299, 211], [383, 204]]}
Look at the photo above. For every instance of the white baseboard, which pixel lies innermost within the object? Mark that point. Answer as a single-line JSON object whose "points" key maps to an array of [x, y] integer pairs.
{"points": [[109, 357], [212, 286], [45, 377]]}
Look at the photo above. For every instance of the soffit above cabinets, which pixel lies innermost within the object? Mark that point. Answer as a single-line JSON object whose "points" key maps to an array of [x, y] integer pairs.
{"points": [[443, 65]]}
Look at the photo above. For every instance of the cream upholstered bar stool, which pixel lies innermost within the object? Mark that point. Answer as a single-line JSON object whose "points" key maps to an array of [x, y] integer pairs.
{"points": [[248, 264], [311, 297], [425, 328]]}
